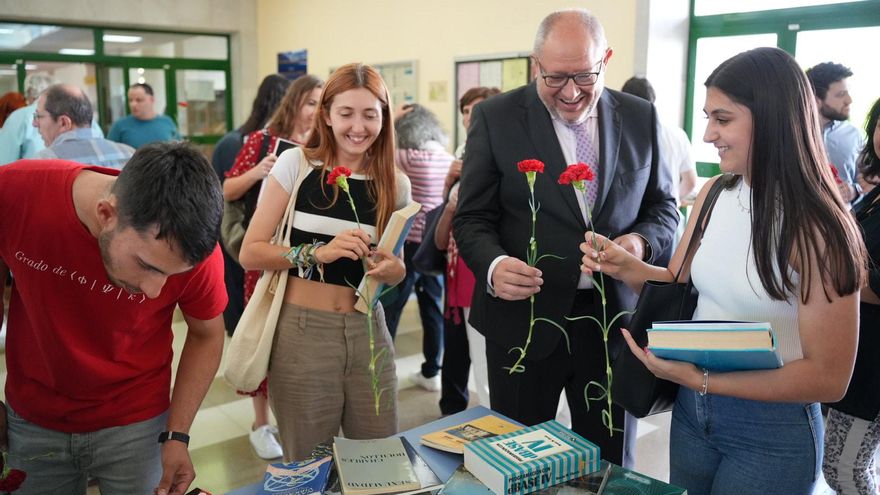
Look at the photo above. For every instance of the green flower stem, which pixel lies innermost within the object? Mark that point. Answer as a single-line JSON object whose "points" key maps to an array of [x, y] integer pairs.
{"points": [[371, 300]]}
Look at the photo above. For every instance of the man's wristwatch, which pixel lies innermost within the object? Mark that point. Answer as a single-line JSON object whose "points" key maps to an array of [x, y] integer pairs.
{"points": [[174, 435]]}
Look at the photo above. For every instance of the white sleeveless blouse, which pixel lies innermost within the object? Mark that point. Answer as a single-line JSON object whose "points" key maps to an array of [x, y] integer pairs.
{"points": [[724, 273]]}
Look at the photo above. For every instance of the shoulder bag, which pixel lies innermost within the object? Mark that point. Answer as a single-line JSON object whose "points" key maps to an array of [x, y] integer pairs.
{"points": [[247, 358], [237, 213], [636, 389]]}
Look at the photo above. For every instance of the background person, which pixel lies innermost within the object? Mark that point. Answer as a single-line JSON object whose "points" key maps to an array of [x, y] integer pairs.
{"points": [[64, 120], [750, 432], [292, 120], [319, 378], [843, 141], [9, 103], [852, 429], [268, 97], [463, 345], [144, 125], [422, 156]]}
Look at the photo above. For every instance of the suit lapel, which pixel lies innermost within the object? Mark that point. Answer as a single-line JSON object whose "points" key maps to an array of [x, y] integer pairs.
{"points": [[609, 145], [547, 144]]}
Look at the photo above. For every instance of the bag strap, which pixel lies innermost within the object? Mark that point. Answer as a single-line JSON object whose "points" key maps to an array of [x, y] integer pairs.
{"points": [[702, 221]]}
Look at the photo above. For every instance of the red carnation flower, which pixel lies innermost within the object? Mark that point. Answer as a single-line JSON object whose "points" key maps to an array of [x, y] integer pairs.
{"points": [[834, 172], [12, 481], [576, 173], [336, 173], [530, 166]]}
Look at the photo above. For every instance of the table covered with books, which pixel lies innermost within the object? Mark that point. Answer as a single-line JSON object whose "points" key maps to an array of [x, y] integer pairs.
{"points": [[545, 459]]}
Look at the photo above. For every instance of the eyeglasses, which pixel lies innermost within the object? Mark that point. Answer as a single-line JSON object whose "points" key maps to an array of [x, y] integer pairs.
{"points": [[38, 116], [560, 80]]}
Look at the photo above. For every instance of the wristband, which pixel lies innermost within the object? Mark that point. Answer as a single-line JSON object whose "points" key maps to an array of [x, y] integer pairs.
{"points": [[705, 388], [174, 435]]}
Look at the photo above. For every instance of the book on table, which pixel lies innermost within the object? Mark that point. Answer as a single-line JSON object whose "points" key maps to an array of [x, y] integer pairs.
{"points": [[445, 463], [369, 467], [392, 240], [453, 439], [610, 479], [716, 345], [296, 478], [428, 480], [531, 459]]}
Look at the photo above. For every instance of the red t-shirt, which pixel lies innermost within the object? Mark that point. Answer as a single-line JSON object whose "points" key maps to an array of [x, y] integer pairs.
{"points": [[81, 353]]}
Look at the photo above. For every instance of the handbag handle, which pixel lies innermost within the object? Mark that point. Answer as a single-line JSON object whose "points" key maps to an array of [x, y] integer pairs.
{"points": [[702, 221]]}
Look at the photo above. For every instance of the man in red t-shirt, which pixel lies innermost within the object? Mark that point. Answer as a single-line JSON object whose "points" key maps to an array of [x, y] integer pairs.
{"points": [[100, 261]]}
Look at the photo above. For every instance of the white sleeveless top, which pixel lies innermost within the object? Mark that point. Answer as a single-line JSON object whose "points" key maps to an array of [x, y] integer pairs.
{"points": [[724, 273]]}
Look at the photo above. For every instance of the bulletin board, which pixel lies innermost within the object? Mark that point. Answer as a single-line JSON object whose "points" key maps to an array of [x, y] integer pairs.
{"points": [[400, 78], [504, 71]]}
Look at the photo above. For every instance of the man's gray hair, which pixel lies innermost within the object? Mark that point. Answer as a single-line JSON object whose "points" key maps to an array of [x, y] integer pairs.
{"points": [[590, 22], [417, 127], [35, 84], [62, 99]]}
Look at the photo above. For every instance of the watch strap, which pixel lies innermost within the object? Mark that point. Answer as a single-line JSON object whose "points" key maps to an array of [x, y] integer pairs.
{"points": [[174, 435]]}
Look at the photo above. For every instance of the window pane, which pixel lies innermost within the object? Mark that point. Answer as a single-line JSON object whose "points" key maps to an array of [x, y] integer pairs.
{"points": [[713, 7], [47, 39], [836, 45], [147, 44], [710, 53], [201, 102], [8, 78]]}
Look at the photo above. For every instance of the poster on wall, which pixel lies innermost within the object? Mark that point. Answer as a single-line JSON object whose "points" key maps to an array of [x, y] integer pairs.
{"points": [[293, 64]]}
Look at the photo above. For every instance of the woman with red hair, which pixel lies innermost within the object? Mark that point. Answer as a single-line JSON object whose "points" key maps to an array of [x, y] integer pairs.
{"points": [[319, 370], [9, 103]]}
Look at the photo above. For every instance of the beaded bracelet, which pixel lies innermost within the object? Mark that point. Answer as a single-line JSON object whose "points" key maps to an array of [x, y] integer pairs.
{"points": [[705, 388]]}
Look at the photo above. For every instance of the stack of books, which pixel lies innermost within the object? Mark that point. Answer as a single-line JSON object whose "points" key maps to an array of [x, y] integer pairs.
{"points": [[716, 345]]}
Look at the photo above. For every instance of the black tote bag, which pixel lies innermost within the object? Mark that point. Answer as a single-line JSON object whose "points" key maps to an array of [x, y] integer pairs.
{"points": [[636, 389]]}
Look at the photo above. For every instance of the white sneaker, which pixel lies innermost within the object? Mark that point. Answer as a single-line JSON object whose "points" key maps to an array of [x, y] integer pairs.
{"points": [[264, 442], [430, 384]]}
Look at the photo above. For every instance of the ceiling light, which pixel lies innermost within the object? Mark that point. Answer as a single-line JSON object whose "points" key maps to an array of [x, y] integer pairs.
{"points": [[6, 31], [120, 38], [76, 51]]}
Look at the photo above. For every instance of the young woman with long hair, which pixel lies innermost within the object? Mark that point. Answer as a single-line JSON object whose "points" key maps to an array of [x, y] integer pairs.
{"points": [[319, 377], [291, 119], [780, 247]]}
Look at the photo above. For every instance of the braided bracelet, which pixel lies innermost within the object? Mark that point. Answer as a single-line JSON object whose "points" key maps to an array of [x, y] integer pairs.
{"points": [[303, 255]]}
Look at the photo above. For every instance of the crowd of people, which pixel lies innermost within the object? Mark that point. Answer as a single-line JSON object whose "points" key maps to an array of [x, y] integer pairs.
{"points": [[794, 240]]}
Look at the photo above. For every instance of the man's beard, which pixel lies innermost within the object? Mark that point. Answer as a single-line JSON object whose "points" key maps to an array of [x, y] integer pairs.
{"points": [[832, 114], [104, 239]]}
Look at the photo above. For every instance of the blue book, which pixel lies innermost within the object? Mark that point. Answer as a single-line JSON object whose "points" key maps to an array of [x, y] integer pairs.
{"points": [[296, 478], [392, 239], [716, 345], [531, 459]]}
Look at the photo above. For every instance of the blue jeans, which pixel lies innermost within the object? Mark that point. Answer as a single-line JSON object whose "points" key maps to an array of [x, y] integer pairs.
{"points": [[123, 459], [429, 293], [727, 446]]}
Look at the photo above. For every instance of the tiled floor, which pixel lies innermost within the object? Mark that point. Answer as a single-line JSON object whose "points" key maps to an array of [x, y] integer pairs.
{"points": [[224, 459]]}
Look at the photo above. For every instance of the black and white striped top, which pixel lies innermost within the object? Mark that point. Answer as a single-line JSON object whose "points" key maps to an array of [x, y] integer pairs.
{"points": [[315, 220]]}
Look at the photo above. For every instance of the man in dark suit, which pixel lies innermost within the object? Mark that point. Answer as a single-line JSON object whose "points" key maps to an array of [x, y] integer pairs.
{"points": [[564, 117]]}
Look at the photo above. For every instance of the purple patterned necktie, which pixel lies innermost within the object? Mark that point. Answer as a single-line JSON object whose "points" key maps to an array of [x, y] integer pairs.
{"points": [[588, 153]]}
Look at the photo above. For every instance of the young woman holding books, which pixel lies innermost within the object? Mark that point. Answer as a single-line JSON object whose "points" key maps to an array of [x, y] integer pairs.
{"points": [[319, 377], [780, 247], [852, 432], [291, 120]]}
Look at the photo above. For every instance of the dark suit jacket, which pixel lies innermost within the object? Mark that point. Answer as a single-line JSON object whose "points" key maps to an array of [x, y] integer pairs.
{"points": [[493, 216]]}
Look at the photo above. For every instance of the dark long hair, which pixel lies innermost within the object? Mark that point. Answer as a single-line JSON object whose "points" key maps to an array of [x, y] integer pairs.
{"points": [[268, 97], [798, 217], [869, 162]]}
